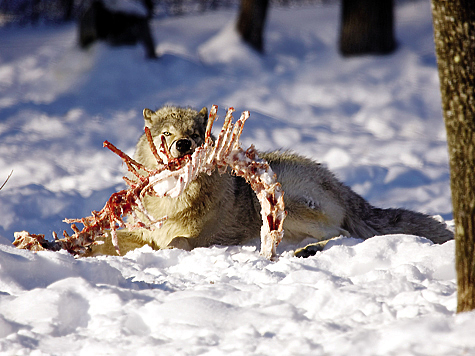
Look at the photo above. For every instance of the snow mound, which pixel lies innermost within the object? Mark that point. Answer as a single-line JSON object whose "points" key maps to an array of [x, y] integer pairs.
{"points": [[362, 295]]}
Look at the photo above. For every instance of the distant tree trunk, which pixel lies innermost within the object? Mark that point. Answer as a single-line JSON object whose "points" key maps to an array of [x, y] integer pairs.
{"points": [[149, 6], [35, 11], [454, 33], [367, 27], [251, 21], [68, 6]]}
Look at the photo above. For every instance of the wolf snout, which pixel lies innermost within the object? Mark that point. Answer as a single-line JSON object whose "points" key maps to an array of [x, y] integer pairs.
{"points": [[183, 145]]}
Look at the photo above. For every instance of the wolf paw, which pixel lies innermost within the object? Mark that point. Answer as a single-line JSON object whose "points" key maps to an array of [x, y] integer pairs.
{"points": [[181, 242], [310, 250]]}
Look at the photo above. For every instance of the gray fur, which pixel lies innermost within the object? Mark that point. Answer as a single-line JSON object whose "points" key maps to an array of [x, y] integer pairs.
{"points": [[223, 209]]}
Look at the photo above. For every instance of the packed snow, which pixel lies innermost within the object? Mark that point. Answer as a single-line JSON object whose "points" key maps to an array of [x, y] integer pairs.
{"points": [[375, 121]]}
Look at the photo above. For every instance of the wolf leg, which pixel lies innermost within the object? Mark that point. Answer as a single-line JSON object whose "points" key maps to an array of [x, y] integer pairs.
{"points": [[128, 241], [312, 249], [182, 243]]}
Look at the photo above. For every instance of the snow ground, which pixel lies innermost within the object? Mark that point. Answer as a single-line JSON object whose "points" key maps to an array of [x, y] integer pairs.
{"points": [[375, 121]]}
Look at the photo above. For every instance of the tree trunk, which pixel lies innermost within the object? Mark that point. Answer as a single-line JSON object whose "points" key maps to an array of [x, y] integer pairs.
{"points": [[367, 27], [68, 7], [251, 21], [454, 33]]}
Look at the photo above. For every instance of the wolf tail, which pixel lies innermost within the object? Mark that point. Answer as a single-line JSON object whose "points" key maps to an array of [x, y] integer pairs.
{"points": [[364, 221]]}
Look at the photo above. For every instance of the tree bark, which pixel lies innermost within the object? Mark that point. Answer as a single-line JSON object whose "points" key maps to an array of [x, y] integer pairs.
{"points": [[68, 7], [251, 22], [454, 35], [367, 27]]}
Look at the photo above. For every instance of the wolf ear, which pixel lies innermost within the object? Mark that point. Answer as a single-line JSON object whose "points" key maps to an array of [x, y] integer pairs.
{"points": [[147, 115], [204, 114]]}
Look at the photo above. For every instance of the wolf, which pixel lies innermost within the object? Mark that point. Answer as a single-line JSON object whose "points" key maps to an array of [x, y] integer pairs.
{"points": [[222, 209]]}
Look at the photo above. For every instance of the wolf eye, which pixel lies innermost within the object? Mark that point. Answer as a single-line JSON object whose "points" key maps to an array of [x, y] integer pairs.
{"points": [[166, 133], [195, 136]]}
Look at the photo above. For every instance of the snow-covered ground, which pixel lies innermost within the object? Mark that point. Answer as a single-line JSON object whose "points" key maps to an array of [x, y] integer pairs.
{"points": [[375, 121]]}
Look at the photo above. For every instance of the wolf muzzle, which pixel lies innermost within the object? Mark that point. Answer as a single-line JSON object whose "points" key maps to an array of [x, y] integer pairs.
{"points": [[182, 147]]}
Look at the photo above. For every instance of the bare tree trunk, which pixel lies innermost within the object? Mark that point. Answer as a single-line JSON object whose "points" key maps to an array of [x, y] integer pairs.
{"points": [[367, 26], [35, 11], [454, 32], [68, 7], [251, 21]]}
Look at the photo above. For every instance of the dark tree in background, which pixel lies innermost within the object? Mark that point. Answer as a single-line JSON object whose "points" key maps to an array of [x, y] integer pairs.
{"points": [[116, 27], [251, 21], [454, 32], [367, 27], [68, 9]]}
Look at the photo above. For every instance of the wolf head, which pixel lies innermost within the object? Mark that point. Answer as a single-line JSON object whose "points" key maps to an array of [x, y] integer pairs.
{"points": [[183, 128]]}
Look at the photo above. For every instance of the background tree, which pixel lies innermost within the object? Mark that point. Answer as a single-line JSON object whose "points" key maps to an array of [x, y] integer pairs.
{"points": [[454, 32], [68, 9], [116, 26], [251, 21], [367, 26]]}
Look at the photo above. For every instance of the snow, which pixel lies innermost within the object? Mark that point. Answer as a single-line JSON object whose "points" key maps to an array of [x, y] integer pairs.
{"points": [[375, 121]]}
